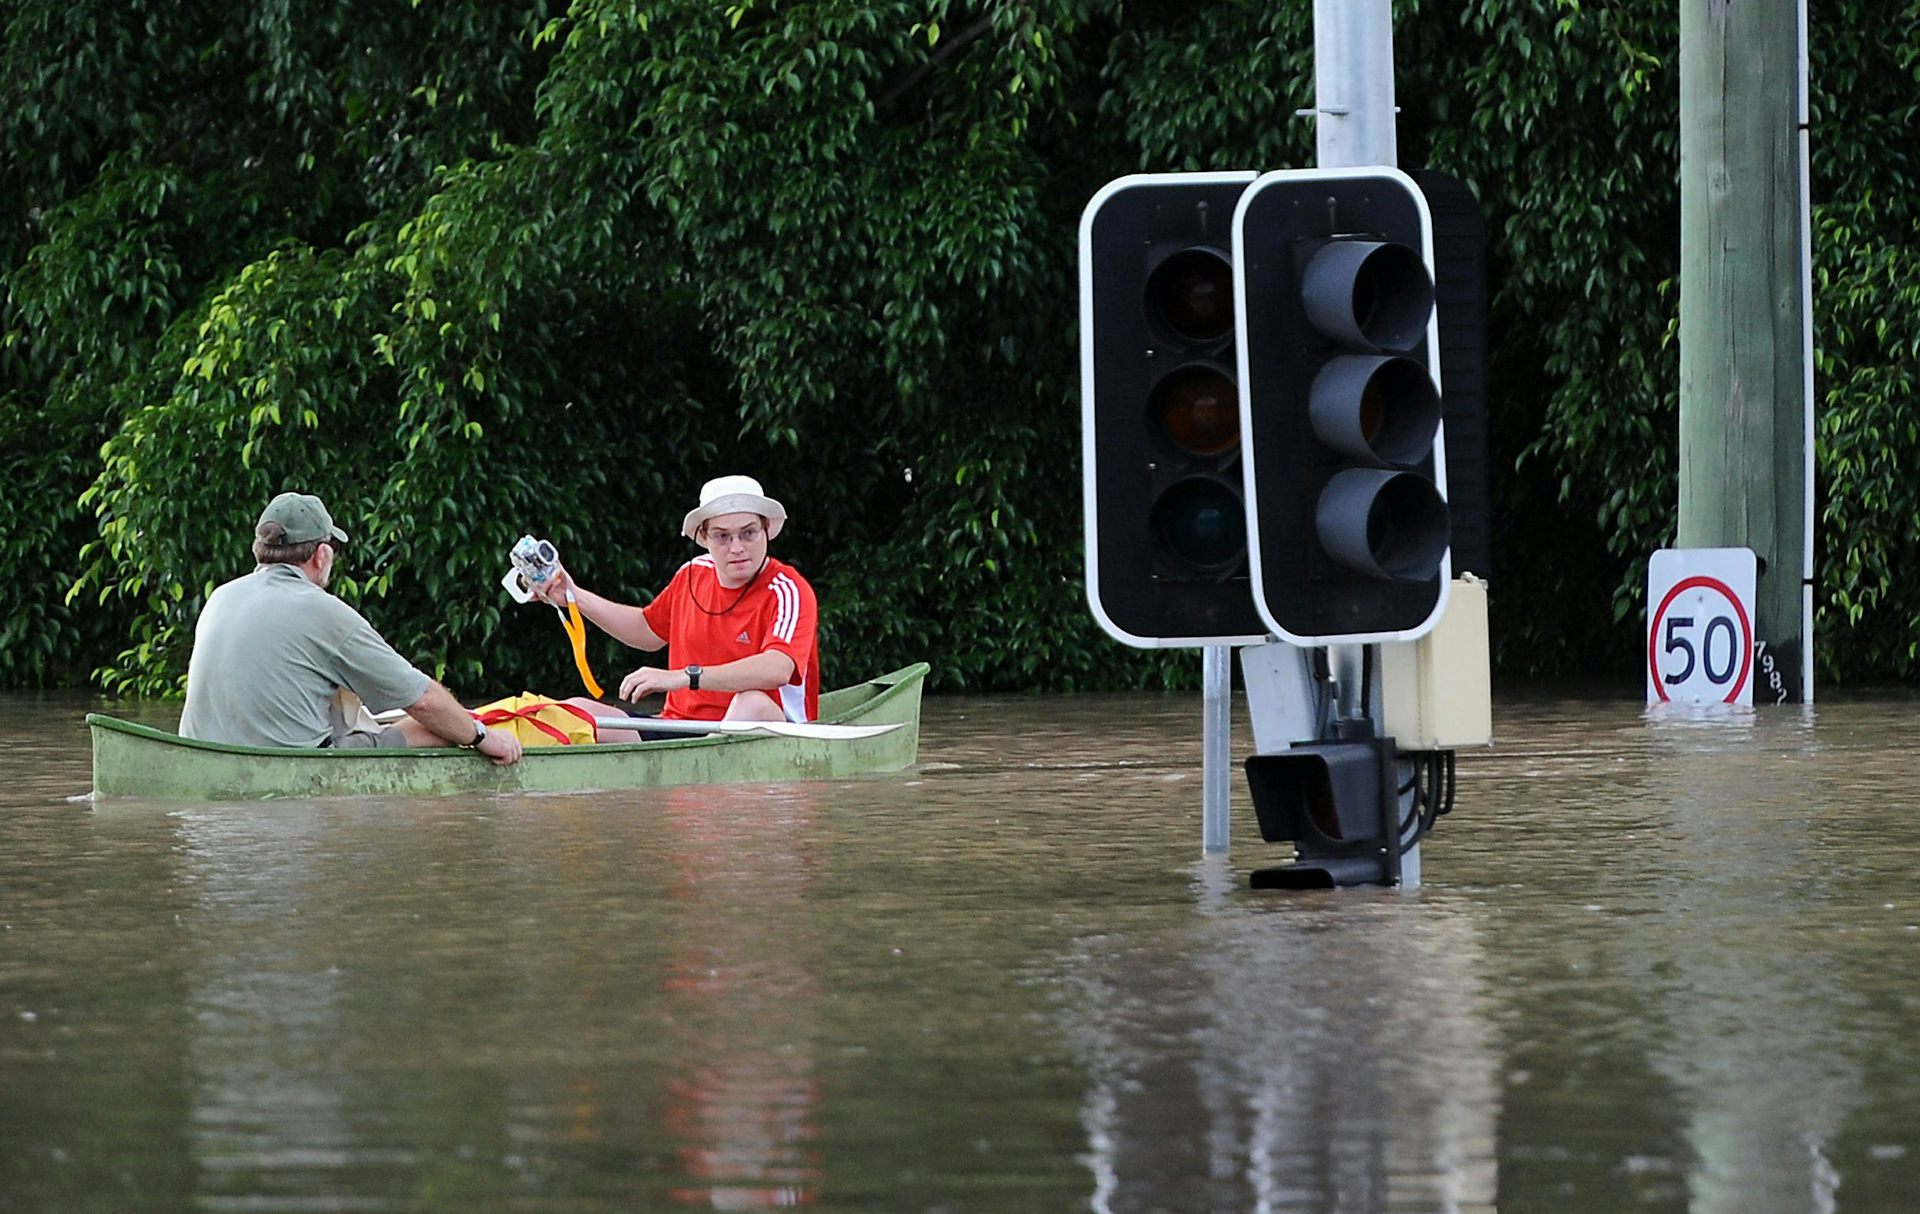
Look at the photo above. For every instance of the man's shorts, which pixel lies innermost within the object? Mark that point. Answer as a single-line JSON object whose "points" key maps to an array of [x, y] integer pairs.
{"points": [[654, 735], [388, 738]]}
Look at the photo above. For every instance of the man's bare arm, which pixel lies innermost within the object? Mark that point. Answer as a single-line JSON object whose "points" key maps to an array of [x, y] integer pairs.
{"points": [[623, 622], [438, 714]]}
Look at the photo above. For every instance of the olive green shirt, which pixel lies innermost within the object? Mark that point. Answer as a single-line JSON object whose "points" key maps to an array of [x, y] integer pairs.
{"points": [[272, 650]]}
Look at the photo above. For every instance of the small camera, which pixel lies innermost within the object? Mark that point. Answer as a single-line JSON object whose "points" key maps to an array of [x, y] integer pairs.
{"points": [[537, 560]]}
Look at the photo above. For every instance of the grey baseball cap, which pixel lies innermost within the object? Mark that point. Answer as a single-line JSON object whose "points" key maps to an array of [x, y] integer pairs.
{"points": [[301, 517]]}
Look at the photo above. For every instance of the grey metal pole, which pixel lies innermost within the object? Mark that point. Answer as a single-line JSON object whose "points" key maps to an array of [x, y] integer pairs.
{"points": [[1216, 763], [1803, 117], [1353, 82], [1354, 125]]}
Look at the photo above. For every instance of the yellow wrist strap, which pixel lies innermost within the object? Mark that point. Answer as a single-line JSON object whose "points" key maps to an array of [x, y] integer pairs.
{"points": [[577, 633]]}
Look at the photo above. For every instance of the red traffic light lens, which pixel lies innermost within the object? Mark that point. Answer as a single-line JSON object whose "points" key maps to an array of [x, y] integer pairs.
{"points": [[1197, 409], [1191, 293]]}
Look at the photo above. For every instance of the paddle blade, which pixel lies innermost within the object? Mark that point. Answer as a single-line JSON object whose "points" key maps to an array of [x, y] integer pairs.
{"points": [[780, 729]]}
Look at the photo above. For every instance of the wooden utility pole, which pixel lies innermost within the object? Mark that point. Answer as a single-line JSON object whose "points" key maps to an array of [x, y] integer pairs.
{"points": [[1746, 414]]}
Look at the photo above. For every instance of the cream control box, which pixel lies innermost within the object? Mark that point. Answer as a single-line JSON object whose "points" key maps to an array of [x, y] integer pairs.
{"points": [[1436, 693]]}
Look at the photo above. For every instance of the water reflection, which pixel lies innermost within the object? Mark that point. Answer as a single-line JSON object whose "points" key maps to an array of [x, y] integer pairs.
{"points": [[364, 1016], [1696, 992], [742, 1112], [309, 1037], [1319, 1052], [1748, 1031], [1663, 962], [93, 1028]]}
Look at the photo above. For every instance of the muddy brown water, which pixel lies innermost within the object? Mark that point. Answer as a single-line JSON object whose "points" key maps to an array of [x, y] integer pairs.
{"points": [[1662, 964]]}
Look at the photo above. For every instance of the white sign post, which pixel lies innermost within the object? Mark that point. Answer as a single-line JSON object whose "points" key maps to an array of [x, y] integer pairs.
{"points": [[1700, 626]]}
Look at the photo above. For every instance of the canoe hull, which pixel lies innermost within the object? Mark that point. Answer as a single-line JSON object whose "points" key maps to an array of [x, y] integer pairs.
{"points": [[132, 760]]}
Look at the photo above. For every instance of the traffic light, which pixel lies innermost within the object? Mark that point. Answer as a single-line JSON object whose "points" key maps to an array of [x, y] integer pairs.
{"points": [[1160, 411], [1337, 803], [1340, 405]]}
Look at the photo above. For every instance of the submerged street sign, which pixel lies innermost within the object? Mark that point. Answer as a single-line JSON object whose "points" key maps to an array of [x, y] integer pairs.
{"points": [[1700, 626]]}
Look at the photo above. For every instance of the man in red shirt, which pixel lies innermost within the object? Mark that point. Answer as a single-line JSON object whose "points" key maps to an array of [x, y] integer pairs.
{"points": [[737, 624]]}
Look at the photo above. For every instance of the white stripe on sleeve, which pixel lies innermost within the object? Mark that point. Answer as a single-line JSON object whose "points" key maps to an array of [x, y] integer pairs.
{"points": [[788, 615]]}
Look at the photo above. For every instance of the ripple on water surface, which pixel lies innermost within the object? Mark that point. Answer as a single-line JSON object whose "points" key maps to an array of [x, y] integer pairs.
{"points": [[1659, 962]]}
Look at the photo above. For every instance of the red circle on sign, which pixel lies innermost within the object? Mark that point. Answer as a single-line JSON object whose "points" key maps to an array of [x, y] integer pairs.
{"points": [[1739, 612]]}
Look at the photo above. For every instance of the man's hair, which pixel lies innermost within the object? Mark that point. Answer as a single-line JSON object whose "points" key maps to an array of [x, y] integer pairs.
{"points": [[270, 546]]}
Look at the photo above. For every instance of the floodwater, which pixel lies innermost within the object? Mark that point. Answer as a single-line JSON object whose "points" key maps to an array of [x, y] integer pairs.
{"points": [[1657, 964]]}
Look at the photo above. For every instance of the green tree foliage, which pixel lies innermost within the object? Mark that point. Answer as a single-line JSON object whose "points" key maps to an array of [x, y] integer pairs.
{"points": [[1866, 186], [1563, 118], [470, 271]]}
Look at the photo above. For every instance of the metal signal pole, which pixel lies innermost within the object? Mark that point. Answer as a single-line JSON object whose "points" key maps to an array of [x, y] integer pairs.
{"points": [[1354, 125]]}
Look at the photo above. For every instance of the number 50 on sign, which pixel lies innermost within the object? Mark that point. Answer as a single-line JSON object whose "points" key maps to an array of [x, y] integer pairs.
{"points": [[1700, 626]]}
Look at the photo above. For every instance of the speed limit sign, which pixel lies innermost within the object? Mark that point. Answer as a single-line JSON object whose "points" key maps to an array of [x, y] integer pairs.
{"points": [[1700, 626]]}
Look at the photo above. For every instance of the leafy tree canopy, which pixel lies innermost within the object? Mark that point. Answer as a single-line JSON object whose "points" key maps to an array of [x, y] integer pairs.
{"points": [[469, 271]]}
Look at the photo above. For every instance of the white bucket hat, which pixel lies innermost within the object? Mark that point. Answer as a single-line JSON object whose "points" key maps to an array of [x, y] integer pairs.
{"points": [[734, 495]]}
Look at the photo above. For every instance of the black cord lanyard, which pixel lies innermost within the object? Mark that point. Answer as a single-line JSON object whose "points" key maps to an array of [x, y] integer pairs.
{"points": [[736, 598]]}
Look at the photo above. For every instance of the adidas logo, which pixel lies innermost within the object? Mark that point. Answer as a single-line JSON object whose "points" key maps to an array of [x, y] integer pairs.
{"points": [[742, 639]]}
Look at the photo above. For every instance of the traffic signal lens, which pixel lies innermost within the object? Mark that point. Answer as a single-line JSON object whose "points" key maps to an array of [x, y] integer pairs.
{"points": [[1201, 523], [1387, 525], [1382, 410], [1366, 299], [1197, 409], [1191, 293], [1373, 412], [1371, 293]]}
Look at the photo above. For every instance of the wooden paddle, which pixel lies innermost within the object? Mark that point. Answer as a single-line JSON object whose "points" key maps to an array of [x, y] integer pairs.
{"points": [[783, 729]]}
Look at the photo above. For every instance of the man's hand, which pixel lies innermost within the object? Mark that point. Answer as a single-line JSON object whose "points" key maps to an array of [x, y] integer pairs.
{"points": [[651, 680], [500, 746], [554, 589]]}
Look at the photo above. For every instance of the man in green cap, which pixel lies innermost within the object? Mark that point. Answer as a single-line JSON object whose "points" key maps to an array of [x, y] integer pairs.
{"points": [[273, 652]]}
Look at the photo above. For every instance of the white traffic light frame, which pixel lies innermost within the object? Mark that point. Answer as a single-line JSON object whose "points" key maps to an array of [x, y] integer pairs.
{"points": [[1256, 394], [1090, 387]]}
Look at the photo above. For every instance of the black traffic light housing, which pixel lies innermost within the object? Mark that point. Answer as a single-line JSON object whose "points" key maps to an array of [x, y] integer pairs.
{"points": [[1460, 304], [1336, 802], [1340, 405], [1167, 560]]}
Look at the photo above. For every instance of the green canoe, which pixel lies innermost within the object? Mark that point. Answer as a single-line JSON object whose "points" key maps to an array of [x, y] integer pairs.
{"points": [[132, 760]]}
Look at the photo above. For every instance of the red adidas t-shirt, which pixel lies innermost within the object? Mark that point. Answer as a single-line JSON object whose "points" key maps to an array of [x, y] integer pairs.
{"points": [[706, 624]]}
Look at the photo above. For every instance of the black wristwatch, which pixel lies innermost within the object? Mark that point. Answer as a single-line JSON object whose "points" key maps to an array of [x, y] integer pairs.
{"points": [[693, 678], [479, 737]]}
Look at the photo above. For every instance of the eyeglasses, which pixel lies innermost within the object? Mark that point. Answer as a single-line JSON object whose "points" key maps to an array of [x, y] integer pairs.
{"points": [[746, 535]]}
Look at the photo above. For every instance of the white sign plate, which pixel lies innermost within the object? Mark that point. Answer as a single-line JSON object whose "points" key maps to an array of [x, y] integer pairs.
{"points": [[1700, 626]]}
